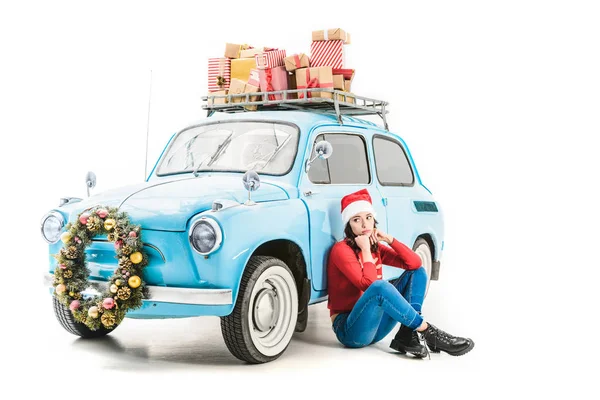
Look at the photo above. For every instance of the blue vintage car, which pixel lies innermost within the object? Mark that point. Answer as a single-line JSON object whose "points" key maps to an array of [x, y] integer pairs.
{"points": [[240, 211]]}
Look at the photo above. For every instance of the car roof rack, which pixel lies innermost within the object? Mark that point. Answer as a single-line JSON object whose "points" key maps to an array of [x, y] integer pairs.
{"points": [[343, 103]]}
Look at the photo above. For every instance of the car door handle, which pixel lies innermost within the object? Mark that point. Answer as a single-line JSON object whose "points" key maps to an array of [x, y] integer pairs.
{"points": [[310, 193]]}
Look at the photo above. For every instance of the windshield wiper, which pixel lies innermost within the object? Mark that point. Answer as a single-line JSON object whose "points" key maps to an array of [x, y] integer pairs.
{"points": [[274, 153], [215, 156]]}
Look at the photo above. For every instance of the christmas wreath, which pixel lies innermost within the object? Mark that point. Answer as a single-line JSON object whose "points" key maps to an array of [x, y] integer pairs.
{"points": [[126, 288]]}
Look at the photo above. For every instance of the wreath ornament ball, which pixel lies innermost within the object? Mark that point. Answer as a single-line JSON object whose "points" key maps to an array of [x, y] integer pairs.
{"points": [[126, 289]]}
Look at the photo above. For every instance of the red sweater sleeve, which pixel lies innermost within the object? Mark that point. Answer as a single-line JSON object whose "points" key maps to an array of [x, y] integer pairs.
{"points": [[345, 260], [400, 256]]}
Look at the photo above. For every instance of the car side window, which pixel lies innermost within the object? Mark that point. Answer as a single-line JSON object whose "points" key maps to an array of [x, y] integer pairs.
{"points": [[391, 163], [348, 163]]}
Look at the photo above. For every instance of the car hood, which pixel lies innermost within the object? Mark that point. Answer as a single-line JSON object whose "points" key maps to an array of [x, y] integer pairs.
{"points": [[168, 204]]}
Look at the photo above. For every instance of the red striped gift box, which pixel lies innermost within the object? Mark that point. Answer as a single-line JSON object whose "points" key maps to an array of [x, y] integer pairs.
{"points": [[218, 67], [327, 53], [270, 59]]}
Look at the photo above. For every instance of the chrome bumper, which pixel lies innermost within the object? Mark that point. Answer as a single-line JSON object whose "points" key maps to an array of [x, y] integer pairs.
{"points": [[208, 297]]}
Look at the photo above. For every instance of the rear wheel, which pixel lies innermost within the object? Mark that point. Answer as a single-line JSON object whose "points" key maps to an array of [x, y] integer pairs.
{"points": [[421, 247], [264, 317], [66, 319]]}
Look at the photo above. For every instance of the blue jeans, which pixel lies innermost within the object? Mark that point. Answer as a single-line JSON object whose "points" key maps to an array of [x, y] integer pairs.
{"points": [[380, 307]]}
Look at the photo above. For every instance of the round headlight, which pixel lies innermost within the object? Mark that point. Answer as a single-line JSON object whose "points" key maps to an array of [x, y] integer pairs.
{"points": [[52, 225], [205, 235]]}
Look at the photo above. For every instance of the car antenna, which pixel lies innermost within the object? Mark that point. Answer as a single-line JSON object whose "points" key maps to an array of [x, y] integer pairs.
{"points": [[148, 130]]}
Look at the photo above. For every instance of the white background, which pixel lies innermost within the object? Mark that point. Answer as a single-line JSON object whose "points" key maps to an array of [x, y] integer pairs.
{"points": [[498, 102]]}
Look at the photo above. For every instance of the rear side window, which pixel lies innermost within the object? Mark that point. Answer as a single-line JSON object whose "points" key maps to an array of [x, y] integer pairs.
{"points": [[391, 163], [348, 163]]}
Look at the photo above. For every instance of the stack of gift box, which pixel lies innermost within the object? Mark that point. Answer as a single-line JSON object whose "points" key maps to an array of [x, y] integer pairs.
{"points": [[246, 69]]}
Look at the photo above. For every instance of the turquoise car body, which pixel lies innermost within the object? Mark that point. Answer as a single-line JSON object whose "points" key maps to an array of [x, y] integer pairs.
{"points": [[291, 213]]}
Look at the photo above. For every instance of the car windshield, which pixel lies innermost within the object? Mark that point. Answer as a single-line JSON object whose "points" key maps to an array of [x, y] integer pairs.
{"points": [[266, 147]]}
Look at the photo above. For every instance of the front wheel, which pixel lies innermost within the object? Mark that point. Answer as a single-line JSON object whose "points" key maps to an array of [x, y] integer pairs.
{"points": [[67, 321], [421, 247], [264, 317]]}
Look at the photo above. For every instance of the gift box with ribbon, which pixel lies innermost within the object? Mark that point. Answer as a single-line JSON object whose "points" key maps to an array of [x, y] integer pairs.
{"points": [[219, 73], [328, 53], [296, 61], [331, 34], [241, 67], [272, 79], [310, 78], [270, 59]]}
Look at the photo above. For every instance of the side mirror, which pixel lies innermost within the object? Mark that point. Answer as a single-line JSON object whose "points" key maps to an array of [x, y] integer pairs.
{"points": [[323, 150], [90, 181], [251, 182]]}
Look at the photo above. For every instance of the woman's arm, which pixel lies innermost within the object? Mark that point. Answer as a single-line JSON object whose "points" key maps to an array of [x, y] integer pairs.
{"points": [[344, 259], [399, 255]]}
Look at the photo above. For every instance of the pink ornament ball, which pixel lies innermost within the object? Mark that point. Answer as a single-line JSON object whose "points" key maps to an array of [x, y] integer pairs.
{"points": [[83, 218], [132, 234], [77, 239], [108, 303], [62, 266], [118, 244], [74, 305], [102, 213]]}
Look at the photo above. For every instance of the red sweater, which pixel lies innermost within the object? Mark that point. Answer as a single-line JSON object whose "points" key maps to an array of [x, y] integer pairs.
{"points": [[348, 277]]}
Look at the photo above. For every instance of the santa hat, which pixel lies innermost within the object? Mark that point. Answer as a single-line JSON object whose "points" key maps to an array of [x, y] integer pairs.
{"points": [[355, 203]]}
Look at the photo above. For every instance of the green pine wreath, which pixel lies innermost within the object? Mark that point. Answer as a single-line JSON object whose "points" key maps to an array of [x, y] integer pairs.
{"points": [[126, 289]]}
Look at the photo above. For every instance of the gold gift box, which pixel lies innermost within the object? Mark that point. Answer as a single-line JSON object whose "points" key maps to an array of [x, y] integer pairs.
{"points": [[241, 67]]}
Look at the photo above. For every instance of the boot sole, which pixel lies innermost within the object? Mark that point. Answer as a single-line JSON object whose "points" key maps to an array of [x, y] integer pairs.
{"points": [[458, 353], [400, 348]]}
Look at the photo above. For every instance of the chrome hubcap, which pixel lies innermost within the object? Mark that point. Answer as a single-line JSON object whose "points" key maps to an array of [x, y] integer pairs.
{"points": [[266, 310]]}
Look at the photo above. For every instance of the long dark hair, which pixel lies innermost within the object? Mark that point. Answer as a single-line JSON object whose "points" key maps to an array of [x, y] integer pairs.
{"points": [[350, 239]]}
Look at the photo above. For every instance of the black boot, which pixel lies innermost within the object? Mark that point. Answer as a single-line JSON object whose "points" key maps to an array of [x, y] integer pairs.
{"points": [[407, 341], [438, 340]]}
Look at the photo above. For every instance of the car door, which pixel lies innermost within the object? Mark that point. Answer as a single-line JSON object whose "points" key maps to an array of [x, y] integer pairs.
{"points": [[395, 181], [347, 170]]}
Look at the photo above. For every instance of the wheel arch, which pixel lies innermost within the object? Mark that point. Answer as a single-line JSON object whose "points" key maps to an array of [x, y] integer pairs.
{"points": [[290, 253]]}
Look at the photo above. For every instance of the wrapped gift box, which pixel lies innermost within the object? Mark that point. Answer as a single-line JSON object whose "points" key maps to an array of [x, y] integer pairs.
{"points": [[348, 77], [239, 87], [249, 53], [219, 100], [339, 82], [219, 72], [254, 78], [328, 53], [319, 77], [272, 79], [270, 59], [241, 67], [331, 34], [296, 61], [233, 50]]}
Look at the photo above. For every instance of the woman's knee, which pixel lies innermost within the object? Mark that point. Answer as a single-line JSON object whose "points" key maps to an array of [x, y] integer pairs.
{"points": [[421, 271], [380, 286]]}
